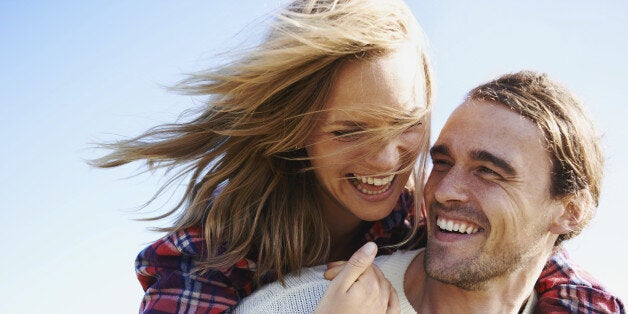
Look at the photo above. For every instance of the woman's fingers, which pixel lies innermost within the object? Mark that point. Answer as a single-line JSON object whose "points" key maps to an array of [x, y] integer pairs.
{"points": [[336, 263], [355, 266], [358, 286], [393, 302], [333, 269], [380, 285]]}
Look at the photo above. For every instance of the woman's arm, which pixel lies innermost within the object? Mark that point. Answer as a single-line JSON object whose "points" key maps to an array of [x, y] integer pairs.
{"points": [[166, 270]]}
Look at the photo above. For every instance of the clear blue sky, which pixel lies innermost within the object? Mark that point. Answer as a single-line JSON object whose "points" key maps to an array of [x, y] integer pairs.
{"points": [[75, 72]]}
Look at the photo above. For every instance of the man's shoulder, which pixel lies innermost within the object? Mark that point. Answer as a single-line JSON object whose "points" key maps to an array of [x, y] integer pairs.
{"points": [[298, 293]]}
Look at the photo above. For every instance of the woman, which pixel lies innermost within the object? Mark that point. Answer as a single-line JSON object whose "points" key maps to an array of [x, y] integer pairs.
{"points": [[301, 154]]}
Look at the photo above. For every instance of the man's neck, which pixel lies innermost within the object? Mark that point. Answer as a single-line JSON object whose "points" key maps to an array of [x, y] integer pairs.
{"points": [[505, 294]]}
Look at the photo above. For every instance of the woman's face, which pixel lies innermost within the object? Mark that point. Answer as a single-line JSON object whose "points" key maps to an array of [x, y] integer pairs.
{"points": [[363, 182]]}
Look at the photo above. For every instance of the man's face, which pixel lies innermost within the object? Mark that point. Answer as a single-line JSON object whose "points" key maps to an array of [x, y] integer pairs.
{"points": [[488, 196]]}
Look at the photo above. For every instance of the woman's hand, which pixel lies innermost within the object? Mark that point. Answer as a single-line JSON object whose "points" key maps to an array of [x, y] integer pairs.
{"points": [[358, 286]]}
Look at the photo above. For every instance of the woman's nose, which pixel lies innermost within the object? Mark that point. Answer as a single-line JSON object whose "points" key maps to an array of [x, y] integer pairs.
{"points": [[387, 157]]}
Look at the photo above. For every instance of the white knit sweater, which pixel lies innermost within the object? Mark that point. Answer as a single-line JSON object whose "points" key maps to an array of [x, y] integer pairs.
{"points": [[302, 293]]}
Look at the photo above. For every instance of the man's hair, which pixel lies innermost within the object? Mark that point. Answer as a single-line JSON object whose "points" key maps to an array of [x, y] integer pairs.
{"points": [[244, 152], [569, 134]]}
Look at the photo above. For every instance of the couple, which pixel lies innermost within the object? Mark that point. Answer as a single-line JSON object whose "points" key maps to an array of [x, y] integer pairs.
{"points": [[302, 154], [516, 171]]}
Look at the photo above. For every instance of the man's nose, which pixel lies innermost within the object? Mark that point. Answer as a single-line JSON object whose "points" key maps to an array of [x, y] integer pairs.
{"points": [[451, 187]]}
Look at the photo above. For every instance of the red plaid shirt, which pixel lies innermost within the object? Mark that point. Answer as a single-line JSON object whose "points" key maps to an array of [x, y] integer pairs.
{"points": [[564, 287], [165, 271]]}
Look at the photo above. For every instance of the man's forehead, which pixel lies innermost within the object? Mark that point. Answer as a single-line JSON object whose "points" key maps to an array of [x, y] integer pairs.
{"points": [[492, 127], [487, 118]]}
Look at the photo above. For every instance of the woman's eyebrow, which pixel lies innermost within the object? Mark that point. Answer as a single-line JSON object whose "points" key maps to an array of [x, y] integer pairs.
{"points": [[346, 123]]}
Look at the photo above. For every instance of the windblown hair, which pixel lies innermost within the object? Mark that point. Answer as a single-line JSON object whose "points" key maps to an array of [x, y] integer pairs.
{"points": [[250, 184], [571, 139]]}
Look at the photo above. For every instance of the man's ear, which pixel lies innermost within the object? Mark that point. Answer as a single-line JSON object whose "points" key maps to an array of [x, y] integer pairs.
{"points": [[574, 208]]}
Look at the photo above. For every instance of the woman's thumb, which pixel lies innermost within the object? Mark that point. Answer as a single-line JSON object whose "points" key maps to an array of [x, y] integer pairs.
{"points": [[357, 264]]}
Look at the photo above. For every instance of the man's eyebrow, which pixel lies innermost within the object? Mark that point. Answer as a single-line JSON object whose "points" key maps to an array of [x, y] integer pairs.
{"points": [[439, 149], [483, 155]]}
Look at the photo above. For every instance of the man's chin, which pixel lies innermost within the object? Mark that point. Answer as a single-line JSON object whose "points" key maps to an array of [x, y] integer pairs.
{"points": [[443, 267]]}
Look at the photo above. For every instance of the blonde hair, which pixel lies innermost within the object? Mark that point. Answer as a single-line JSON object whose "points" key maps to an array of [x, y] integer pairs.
{"points": [[244, 152], [573, 144]]}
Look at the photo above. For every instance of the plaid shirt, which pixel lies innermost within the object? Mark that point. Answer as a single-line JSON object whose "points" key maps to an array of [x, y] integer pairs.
{"points": [[563, 287], [165, 271], [165, 268]]}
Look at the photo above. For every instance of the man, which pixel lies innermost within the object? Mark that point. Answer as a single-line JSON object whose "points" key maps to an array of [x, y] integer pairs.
{"points": [[517, 170]]}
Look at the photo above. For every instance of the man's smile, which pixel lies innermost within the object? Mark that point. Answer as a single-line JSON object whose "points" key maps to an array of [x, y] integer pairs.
{"points": [[452, 225]]}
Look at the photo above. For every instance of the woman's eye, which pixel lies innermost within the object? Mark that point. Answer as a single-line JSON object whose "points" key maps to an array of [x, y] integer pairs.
{"points": [[347, 135], [413, 126], [341, 132], [419, 123]]}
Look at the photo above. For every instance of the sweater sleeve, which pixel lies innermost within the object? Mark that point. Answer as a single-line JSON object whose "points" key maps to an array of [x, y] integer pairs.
{"points": [[301, 294]]}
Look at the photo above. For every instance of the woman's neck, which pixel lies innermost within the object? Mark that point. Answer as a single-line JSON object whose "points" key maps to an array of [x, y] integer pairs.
{"points": [[344, 229], [344, 241]]}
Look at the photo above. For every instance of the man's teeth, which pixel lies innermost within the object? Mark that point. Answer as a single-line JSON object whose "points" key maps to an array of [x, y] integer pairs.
{"points": [[456, 226], [376, 181]]}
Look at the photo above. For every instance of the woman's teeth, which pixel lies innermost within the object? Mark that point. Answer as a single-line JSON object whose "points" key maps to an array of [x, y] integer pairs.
{"points": [[367, 185], [376, 181]]}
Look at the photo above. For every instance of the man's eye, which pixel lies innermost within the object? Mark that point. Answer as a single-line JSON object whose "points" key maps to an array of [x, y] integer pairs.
{"points": [[440, 165], [488, 171]]}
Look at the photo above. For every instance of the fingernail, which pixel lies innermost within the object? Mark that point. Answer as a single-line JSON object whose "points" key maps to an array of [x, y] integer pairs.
{"points": [[369, 248]]}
